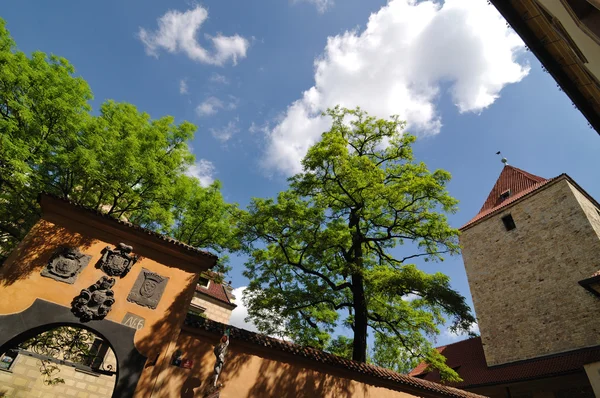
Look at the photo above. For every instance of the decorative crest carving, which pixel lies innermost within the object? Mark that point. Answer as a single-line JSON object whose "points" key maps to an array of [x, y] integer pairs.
{"points": [[119, 261], [148, 289], [95, 302], [65, 264]]}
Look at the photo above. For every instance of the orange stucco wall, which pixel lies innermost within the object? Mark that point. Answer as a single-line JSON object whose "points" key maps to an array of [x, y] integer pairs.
{"points": [[254, 373], [21, 281]]}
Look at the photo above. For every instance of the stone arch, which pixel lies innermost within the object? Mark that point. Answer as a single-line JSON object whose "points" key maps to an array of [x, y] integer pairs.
{"points": [[43, 315]]}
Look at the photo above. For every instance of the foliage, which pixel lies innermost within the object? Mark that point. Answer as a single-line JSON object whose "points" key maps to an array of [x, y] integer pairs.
{"points": [[119, 161], [341, 346], [325, 252]]}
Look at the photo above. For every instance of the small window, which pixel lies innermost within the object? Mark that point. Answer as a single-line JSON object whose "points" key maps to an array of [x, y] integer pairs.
{"points": [[196, 310], [504, 195], [7, 360], [587, 16], [203, 282], [509, 223]]}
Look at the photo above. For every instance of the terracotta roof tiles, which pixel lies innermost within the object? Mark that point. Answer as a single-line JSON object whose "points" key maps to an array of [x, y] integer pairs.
{"points": [[130, 225], [516, 183], [216, 291], [468, 358]]}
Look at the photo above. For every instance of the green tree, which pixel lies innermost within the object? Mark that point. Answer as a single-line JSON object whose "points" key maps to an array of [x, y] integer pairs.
{"points": [[121, 161], [320, 255]]}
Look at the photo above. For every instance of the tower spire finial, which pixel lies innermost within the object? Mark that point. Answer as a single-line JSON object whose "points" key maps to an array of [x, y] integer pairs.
{"points": [[504, 160]]}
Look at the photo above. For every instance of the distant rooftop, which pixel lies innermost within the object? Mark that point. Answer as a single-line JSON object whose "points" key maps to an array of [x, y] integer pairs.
{"points": [[468, 359]]}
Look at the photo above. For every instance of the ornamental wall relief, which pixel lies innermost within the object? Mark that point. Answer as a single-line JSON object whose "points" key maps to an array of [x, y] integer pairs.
{"points": [[118, 261], [66, 264], [95, 302], [148, 289]]}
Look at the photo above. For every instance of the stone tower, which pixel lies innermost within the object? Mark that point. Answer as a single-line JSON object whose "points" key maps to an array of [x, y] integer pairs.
{"points": [[525, 251]]}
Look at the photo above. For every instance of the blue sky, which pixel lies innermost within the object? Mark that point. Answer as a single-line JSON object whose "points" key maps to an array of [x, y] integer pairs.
{"points": [[462, 80]]}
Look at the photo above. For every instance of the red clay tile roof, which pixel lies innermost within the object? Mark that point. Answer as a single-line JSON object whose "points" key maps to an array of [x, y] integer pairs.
{"points": [[468, 359], [322, 357], [516, 181], [128, 224], [216, 291]]}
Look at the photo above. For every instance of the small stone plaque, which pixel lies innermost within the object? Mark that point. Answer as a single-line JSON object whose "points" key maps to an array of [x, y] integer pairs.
{"points": [[148, 289], [133, 321]]}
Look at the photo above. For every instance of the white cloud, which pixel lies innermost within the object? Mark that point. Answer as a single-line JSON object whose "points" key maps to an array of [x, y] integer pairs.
{"points": [[209, 106], [322, 5], [203, 170], [177, 33], [225, 133], [212, 105], [453, 336], [183, 87], [255, 128], [240, 313], [218, 78], [396, 66], [410, 297]]}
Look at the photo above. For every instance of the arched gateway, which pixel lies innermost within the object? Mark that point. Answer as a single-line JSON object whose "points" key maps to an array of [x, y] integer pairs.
{"points": [[78, 268]]}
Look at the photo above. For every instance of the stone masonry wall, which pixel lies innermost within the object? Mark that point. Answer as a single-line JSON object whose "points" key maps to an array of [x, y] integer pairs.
{"points": [[524, 282], [215, 310], [24, 380]]}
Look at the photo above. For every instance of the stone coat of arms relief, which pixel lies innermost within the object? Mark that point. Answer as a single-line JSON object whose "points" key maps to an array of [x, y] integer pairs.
{"points": [[95, 302], [66, 264], [118, 261], [148, 289]]}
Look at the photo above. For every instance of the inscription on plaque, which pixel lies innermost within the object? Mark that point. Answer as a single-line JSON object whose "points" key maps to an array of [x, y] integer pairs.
{"points": [[133, 321], [148, 289]]}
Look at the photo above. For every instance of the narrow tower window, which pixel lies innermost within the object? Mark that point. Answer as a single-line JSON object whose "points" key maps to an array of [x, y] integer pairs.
{"points": [[509, 223]]}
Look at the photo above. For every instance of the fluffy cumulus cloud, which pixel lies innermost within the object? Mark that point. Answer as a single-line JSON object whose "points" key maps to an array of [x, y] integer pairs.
{"points": [[203, 170], [396, 66], [240, 313], [322, 5], [177, 33]]}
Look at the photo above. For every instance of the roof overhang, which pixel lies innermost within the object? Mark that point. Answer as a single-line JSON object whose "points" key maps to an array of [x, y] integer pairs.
{"points": [[534, 28], [101, 226]]}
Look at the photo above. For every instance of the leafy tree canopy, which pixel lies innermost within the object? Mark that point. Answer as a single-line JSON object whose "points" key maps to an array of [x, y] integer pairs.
{"points": [[120, 161], [324, 253]]}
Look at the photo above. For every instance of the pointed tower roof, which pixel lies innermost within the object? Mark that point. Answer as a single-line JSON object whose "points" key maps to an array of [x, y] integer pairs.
{"points": [[512, 184]]}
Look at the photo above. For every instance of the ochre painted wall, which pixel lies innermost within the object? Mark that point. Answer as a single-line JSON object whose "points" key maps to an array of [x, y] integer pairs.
{"points": [[524, 282], [249, 373], [21, 282]]}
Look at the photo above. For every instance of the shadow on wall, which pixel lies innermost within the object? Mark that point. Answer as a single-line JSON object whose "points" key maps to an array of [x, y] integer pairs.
{"points": [[259, 374], [37, 248], [276, 379], [155, 343]]}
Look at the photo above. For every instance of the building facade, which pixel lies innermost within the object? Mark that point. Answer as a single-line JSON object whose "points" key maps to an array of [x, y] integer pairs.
{"points": [[525, 254], [565, 36], [212, 299], [80, 269]]}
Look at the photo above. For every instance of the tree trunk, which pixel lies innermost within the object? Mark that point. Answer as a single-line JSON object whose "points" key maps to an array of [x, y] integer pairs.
{"points": [[359, 349]]}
